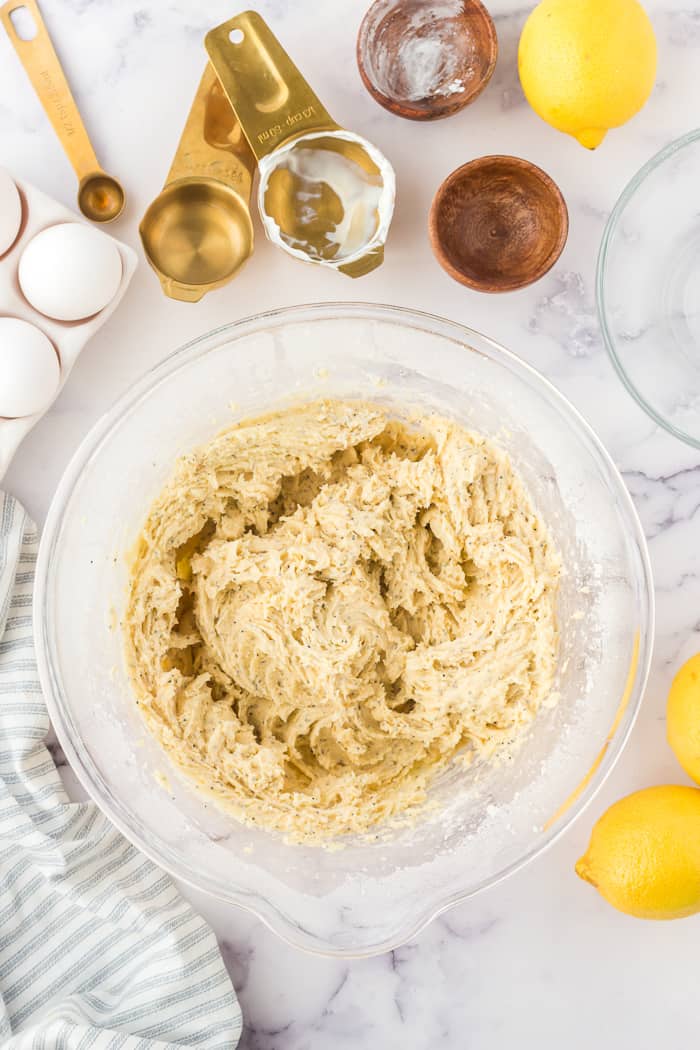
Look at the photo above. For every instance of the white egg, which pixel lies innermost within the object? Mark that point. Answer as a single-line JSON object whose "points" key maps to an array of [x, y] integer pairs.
{"points": [[29, 369], [10, 212], [70, 271]]}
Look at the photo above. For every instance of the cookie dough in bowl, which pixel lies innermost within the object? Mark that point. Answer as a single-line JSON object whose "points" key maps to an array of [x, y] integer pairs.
{"points": [[330, 604], [490, 804]]}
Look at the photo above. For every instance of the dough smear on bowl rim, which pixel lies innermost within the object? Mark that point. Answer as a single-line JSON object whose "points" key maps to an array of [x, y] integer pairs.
{"points": [[328, 605]]}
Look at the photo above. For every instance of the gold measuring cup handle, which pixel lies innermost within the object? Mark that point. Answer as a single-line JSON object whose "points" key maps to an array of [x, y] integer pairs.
{"points": [[269, 95], [212, 144], [44, 70]]}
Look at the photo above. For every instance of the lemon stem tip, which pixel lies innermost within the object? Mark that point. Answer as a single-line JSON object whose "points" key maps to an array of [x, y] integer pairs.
{"points": [[583, 871]]}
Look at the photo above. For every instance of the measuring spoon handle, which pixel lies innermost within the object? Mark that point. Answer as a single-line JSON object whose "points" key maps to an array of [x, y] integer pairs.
{"points": [[43, 68], [268, 94]]}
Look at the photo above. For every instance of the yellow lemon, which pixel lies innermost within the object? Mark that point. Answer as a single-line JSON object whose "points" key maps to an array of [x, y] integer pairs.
{"points": [[644, 853], [587, 65], [683, 717]]}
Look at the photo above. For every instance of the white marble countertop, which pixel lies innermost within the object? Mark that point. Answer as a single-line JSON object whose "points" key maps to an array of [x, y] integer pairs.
{"points": [[540, 960]]}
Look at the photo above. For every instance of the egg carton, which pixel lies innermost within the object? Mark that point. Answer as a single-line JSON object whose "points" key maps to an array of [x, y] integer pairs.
{"points": [[68, 337]]}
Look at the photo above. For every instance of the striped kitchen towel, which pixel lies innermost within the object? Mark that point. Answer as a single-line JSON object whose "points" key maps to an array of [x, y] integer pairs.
{"points": [[97, 948]]}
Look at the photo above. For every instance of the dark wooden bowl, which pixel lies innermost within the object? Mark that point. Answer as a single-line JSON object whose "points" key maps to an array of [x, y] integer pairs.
{"points": [[421, 60], [498, 223]]}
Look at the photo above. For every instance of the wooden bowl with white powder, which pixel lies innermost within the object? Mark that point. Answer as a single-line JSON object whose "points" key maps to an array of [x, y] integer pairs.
{"points": [[426, 59]]}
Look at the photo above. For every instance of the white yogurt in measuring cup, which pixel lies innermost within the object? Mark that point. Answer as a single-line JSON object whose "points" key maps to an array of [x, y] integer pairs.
{"points": [[326, 206]]}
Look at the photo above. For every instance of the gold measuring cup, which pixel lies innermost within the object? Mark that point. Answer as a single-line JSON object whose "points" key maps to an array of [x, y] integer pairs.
{"points": [[101, 197], [326, 195], [197, 233]]}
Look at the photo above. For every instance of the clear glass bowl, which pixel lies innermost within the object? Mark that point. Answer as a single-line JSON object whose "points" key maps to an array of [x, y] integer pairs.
{"points": [[484, 823], [648, 287]]}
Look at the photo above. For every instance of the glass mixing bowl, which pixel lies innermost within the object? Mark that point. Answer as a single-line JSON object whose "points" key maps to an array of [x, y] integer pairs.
{"points": [[483, 823], [648, 287]]}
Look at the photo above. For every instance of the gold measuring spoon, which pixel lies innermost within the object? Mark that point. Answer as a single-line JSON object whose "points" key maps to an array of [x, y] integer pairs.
{"points": [[326, 195], [197, 233], [100, 197]]}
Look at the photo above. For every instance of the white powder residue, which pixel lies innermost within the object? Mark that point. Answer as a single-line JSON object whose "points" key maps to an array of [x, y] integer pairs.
{"points": [[428, 66], [433, 57]]}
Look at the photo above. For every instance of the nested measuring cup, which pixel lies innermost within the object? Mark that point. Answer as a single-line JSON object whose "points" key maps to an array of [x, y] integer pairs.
{"points": [[326, 195], [198, 232]]}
